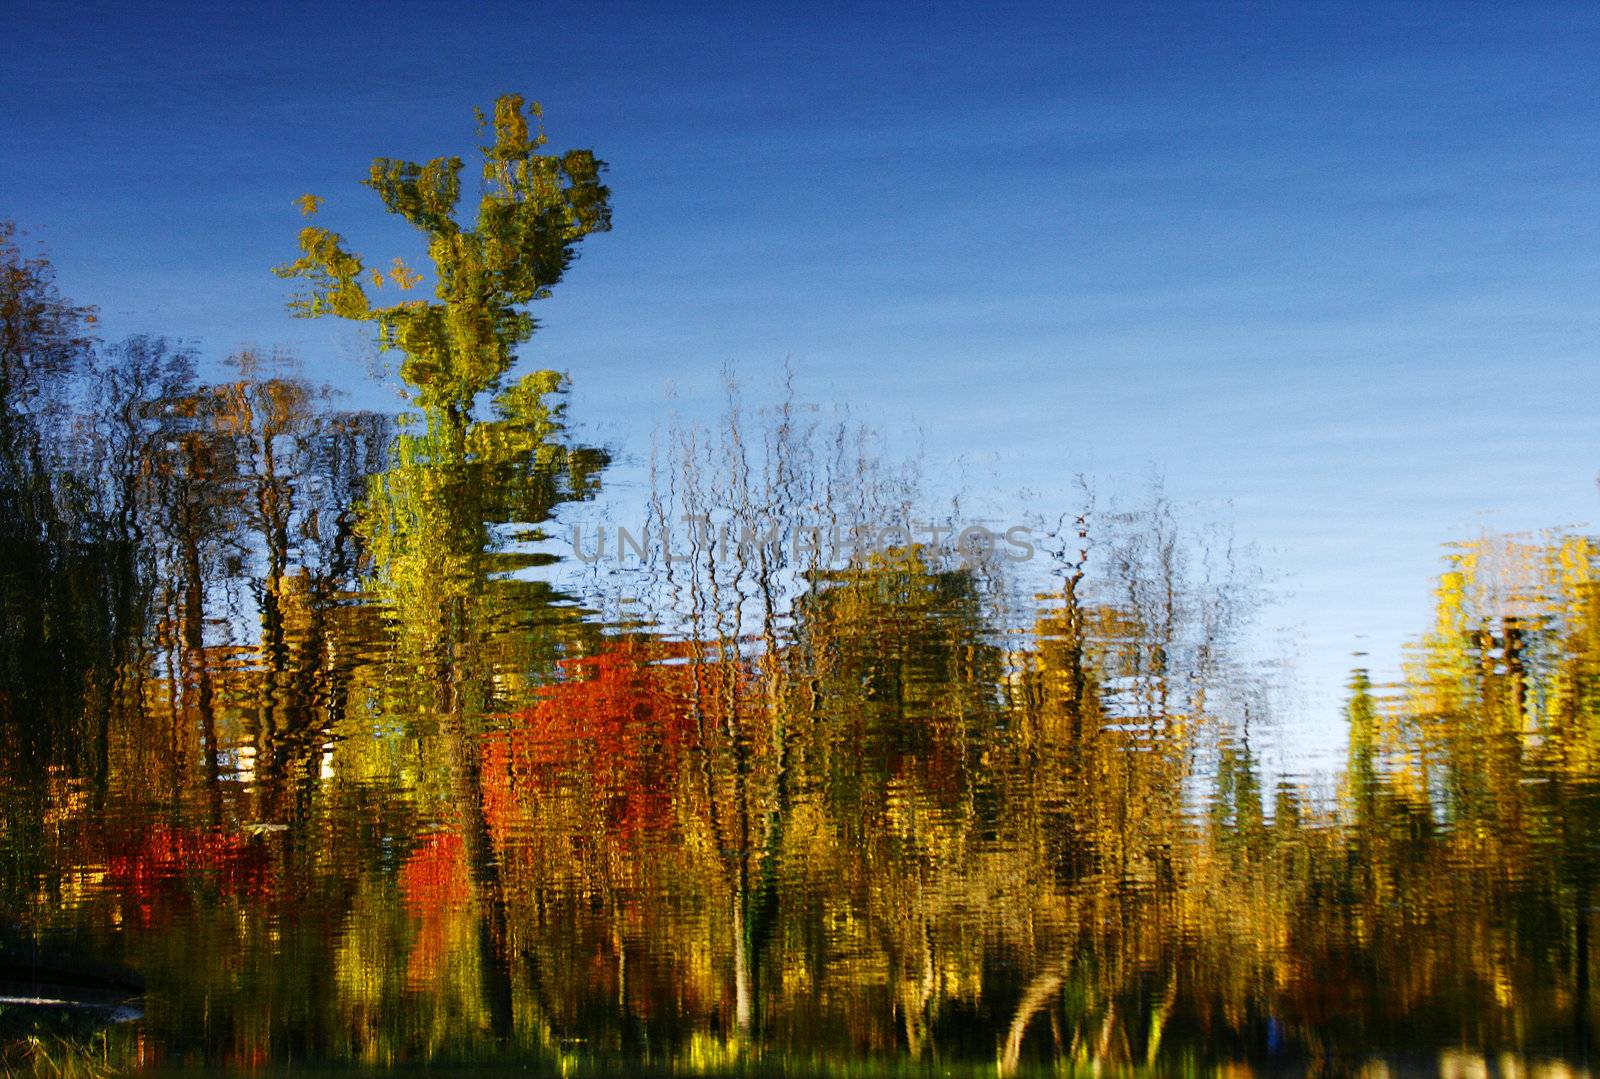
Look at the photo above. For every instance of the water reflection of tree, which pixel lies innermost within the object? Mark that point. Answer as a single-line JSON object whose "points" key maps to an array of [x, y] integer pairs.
{"points": [[53, 628], [466, 627], [279, 692]]}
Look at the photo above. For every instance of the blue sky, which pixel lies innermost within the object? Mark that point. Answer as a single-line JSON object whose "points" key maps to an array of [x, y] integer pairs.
{"points": [[1333, 269]]}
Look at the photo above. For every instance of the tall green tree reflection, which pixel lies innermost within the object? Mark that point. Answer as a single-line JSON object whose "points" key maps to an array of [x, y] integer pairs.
{"points": [[436, 519]]}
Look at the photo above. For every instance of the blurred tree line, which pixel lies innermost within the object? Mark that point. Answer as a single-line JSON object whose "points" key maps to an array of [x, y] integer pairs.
{"points": [[290, 720]]}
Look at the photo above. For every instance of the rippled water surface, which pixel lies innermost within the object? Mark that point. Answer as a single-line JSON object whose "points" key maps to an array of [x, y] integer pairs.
{"points": [[291, 728], [335, 739]]}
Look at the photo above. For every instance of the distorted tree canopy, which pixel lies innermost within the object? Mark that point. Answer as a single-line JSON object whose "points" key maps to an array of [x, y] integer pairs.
{"points": [[42, 335], [533, 211]]}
